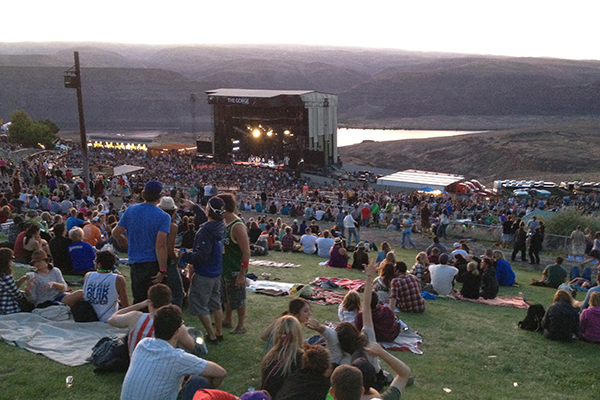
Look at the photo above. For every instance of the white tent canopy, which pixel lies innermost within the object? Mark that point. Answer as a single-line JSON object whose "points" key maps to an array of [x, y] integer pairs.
{"points": [[414, 179], [126, 169]]}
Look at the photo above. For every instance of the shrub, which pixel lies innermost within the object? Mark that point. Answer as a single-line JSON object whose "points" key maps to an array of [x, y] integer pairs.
{"points": [[565, 222]]}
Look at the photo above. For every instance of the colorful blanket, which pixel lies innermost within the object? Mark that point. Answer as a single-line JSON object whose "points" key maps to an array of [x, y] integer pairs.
{"points": [[343, 282], [515, 302], [326, 297], [407, 340]]}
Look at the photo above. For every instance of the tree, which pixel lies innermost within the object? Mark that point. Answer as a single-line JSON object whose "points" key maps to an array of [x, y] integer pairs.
{"points": [[29, 133]]}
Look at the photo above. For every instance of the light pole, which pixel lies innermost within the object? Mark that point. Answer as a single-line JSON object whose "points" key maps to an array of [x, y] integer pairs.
{"points": [[73, 81]]}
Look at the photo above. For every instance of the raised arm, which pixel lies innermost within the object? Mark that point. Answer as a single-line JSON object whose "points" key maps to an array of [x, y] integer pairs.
{"points": [[366, 306], [127, 317], [402, 370]]}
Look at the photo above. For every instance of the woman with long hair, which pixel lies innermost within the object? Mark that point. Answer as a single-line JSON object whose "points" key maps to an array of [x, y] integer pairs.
{"points": [[471, 281], [297, 308], [383, 282], [421, 269], [33, 241], [285, 356], [349, 307], [381, 254], [47, 284], [561, 321]]}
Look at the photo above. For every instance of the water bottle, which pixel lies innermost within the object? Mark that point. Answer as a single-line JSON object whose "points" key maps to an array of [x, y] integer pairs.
{"points": [[69, 382]]}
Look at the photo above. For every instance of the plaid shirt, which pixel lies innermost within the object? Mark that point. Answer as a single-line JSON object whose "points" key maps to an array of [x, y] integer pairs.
{"points": [[287, 242], [418, 270], [406, 289], [9, 295]]}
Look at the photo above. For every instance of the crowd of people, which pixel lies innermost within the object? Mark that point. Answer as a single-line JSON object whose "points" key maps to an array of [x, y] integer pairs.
{"points": [[187, 243]]}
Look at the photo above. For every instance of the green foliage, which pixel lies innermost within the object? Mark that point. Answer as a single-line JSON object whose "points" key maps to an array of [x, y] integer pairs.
{"points": [[29, 133], [565, 222]]}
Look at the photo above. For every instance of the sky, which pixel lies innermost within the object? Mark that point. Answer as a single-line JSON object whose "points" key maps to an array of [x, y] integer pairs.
{"points": [[549, 28]]}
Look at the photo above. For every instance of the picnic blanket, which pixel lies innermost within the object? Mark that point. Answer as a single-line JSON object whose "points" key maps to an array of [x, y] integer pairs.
{"points": [[267, 263], [515, 302], [325, 297], [407, 340], [343, 282], [66, 342], [254, 285]]}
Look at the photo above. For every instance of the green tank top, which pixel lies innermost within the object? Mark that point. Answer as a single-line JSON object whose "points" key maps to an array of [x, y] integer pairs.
{"points": [[232, 253]]}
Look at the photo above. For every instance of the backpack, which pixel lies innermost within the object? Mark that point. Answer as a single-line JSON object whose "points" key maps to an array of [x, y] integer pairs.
{"points": [[533, 319], [110, 354]]}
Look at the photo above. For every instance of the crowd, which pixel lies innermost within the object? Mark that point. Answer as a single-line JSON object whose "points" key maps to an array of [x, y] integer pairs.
{"points": [[187, 243]]}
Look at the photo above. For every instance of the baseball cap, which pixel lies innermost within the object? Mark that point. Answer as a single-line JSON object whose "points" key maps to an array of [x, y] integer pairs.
{"points": [[456, 245], [153, 188]]}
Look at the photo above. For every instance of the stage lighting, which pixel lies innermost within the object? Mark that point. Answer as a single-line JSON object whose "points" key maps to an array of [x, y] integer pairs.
{"points": [[286, 132], [256, 133], [270, 133], [236, 142]]}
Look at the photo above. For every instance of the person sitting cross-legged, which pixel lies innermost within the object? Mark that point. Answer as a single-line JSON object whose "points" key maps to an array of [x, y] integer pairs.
{"points": [[157, 368]]}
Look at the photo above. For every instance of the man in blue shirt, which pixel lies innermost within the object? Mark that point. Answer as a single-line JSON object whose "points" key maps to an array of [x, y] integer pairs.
{"points": [[147, 228]]}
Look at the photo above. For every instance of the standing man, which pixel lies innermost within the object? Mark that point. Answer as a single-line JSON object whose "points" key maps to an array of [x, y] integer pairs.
{"points": [[407, 224], [578, 243], [147, 228], [236, 256], [350, 227]]}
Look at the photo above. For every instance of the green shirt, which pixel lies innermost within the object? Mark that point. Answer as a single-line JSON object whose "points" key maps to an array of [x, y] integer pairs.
{"points": [[555, 275], [232, 253]]}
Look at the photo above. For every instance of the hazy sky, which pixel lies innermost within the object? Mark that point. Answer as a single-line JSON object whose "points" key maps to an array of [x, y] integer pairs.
{"points": [[564, 29]]}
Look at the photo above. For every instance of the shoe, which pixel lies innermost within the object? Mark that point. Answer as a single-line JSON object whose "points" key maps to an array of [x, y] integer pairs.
{"points": [[227, 325], [238, 331], [220, 338], [213, 341]]}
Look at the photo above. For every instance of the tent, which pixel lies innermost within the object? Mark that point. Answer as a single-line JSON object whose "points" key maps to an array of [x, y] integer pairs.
{"points": [[426, 189]]}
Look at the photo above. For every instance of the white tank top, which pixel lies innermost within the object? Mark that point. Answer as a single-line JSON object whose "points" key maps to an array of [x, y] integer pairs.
{"points": [[100, 290]]}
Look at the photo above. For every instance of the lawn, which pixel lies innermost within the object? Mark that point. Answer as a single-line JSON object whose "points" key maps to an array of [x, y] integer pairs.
{"points": [[476, 351]]}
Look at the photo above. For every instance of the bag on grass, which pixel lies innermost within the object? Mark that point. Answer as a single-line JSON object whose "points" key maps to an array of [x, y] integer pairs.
{"points": [[533, 319], [110, 354]]}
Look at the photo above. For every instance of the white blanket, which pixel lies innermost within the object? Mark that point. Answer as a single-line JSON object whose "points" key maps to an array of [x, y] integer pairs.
{"points": [[253, 285], [66, 342]]}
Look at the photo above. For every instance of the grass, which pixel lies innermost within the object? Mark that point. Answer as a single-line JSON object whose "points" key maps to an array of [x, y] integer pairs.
{"points": [[474, 350]]}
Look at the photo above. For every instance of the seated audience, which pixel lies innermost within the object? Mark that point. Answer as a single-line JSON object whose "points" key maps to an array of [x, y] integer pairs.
{"points": [[383, 282], [471, 281], [157, 368], [360, 258], [10, 296], [442, 276], [285, 357], [308, 242], [140, 324], [381, 254], [47, 284], [596, 288], [385, 324], [338, 256], [406, 291], [311, 381], [349, 307], [436, 245], [506, 276], [434, 257], [489, 282], [324, 244], [82, 254], [589, 322], [421, 269], [288, 241], [297, 308], [59, 248], [553, 275], [561, 321]]}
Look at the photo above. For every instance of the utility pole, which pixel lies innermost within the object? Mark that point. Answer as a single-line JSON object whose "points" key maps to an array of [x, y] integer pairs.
{"points": [[73, 81], [193, 99]]}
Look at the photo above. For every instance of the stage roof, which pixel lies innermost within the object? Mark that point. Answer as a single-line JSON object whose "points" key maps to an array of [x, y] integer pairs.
{"points": [[256, 93], [415, 179]]}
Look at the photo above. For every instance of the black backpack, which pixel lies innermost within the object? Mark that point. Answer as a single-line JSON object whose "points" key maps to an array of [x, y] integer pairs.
{"points": [[110, 354], [533, 319]]}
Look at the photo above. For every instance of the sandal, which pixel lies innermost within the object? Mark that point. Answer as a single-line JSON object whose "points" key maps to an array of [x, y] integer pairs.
{"points": [[238, 331]]}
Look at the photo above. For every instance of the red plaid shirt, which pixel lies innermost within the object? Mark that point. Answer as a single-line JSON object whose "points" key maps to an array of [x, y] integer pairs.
{"points": [[287, 242], [406, 289]]}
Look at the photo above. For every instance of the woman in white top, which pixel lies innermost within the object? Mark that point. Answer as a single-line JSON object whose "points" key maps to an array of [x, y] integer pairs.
{"points": [[46, 283], [349, 307]]}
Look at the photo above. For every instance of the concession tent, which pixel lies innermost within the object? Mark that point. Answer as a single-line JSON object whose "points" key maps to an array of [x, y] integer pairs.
{"points": [[110, 171], [415, 179]]}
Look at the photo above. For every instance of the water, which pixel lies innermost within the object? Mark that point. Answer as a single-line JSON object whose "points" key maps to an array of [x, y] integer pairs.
{"points": [[349, 136]]}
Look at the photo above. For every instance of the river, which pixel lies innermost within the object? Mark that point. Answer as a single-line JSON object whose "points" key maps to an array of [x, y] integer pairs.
{"points": [[349, 136]]}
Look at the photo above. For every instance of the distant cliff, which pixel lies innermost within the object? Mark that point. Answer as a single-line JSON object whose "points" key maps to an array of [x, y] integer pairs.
{"points": [[129, 86]]}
